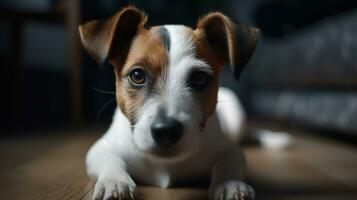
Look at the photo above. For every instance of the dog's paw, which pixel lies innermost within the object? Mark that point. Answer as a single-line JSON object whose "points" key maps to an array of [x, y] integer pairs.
{"points": [[114, 188], [232, 190]]}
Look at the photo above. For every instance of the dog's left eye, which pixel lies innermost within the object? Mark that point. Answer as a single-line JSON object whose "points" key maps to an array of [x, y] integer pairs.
{"points": [[199, 80], [137, 77]]}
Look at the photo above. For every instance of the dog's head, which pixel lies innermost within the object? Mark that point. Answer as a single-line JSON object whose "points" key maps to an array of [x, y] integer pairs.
{"points": [[167, 76]]}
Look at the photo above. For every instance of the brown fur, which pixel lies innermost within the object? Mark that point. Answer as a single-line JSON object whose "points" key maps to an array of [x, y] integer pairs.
{"points": [[215, 41], [147, 51], [233, 44], [110, 39], [219, 33], [208, 97]]}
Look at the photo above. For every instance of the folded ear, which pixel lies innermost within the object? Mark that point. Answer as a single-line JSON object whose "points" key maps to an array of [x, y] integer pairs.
{"points": [[110, 39], [233, 44]]}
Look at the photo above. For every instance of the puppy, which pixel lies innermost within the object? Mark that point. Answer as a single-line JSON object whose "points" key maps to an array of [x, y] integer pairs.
{"points": [[168, 127]]}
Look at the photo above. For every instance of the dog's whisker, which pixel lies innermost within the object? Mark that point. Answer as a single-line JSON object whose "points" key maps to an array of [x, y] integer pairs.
{"points": [[103, 107], [102, 91]]}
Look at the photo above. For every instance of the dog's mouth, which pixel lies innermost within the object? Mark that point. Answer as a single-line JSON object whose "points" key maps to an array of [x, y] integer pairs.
{"points": [[164, 152], [171, 155]]}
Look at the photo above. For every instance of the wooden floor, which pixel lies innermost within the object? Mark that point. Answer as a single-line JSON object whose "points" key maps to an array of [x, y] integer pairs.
{"points": [[50, 166]]}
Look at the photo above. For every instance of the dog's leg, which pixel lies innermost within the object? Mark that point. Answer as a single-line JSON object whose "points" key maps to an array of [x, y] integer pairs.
{"points": [[113, 181], [226, 180]]}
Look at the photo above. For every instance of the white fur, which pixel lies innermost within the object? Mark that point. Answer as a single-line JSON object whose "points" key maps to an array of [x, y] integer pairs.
{"points": [[231, 114], [181, 62], [176, 98], [118, 142], [123, 155]]}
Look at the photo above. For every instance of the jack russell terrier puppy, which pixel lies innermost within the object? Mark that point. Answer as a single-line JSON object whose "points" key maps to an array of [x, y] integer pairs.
{"points": [[173, 122]]}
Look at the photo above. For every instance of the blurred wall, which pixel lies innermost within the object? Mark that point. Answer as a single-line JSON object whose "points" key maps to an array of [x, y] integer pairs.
{"points": [[303, 71], [305, 68]]}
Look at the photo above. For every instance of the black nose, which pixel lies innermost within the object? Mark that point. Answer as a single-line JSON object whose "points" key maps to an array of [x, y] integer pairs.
{"points": [[166, 131]]}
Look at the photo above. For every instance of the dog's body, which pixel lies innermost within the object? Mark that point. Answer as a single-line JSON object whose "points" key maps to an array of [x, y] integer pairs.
{"points": [[163, 172], [167, 127]]}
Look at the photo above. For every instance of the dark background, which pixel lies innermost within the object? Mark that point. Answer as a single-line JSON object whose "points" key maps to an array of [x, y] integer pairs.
{"points": [[303, 73]]}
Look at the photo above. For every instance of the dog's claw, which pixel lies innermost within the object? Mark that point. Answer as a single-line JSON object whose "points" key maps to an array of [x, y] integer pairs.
{"points": [[233, 190], [244, 196], [113, 189], [111, 198], [115, 195], [245, 192]]}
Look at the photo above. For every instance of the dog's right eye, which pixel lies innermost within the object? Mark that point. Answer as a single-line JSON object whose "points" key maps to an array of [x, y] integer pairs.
{"points": [[137, 77], [198, 80]]}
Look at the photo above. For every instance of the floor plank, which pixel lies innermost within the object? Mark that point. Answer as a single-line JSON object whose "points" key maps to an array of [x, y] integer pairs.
{"points": [[51, 166]]}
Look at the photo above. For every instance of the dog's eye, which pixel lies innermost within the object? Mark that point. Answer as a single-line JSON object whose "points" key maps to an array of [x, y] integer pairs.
{"points": [[137, 77], [199, 80]]}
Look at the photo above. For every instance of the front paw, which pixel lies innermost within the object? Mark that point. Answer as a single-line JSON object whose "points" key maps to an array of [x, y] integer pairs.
{"points": [[114, 188], [232, 190]]}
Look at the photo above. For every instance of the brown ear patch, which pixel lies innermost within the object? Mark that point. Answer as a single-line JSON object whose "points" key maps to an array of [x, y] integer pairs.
{"points": [[111, 38], [232, 44], [219, 30], [247, 38]]}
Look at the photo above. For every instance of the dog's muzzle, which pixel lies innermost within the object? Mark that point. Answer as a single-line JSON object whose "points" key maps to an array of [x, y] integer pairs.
{"points": [[166, 131]]}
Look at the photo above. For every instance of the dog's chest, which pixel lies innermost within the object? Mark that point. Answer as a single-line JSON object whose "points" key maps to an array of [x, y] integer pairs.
{"points": [[169, 173], [197, 167]]}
